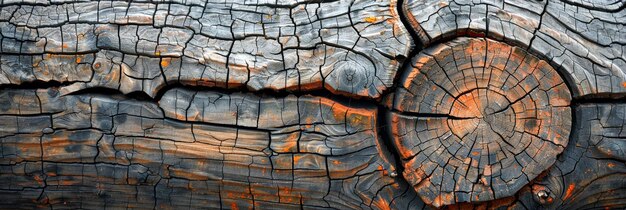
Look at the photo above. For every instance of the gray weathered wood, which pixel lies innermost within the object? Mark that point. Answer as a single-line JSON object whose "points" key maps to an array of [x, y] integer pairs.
{"points": [[584, 39], [186, 104], [347, 47], [95, 151], [591, 172], [476, 120]]}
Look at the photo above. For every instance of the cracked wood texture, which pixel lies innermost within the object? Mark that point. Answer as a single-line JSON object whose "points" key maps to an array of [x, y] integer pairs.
{"points": [[584, 39], [347, 47], [477, 120], [193, 150], [313, 104], [591, 172]]}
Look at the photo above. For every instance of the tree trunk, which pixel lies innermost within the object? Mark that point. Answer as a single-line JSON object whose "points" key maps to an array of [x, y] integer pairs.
{"points": [[340, 104]]}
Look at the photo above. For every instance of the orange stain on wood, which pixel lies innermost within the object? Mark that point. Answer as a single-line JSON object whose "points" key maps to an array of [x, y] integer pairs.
{"points": [[66, 182], [448, 197], [338, 110], [78, 59], [38, 179], [165, 62], [437, 201], [234, 206], [382, 204], [358, 120], [570, 190], [442, 199], [291, 144], [285, 192], [370, 19], [304, 87], [624, 84], [309, 120]]}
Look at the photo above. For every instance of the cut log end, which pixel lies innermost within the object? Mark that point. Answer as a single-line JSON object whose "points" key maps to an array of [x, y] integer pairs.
{"points": [[476, 120]]}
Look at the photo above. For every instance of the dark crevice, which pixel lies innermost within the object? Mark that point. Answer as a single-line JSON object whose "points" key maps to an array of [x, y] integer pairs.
{"points": [[136, 95], [418, 44], [416, 47], [600, 98], [142, 96], [269, 93], [36, 84], [384, 133], [595, 8], [484, 33], [431, 115], [383, 118]]}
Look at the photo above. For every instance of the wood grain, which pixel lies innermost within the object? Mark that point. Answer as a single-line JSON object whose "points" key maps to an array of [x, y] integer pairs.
{"points": [[476, 120], [582, 39], [98, 151], [313, 104], [591, 172], [347, 47]]}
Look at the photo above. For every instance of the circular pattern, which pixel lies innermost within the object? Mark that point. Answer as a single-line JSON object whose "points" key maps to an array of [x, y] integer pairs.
{"points": [[478, 119], [482, 114]]}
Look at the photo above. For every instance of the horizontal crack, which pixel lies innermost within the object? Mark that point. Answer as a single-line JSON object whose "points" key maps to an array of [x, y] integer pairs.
{"points": [[601, 98], [362, 102], [432, 115]]}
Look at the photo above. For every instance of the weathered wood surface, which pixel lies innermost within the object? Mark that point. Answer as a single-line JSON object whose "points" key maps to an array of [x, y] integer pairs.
{"points": [[583, 39], [476, 120], [591, 172], [219, 151], [347, 47], [296, 104]]}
